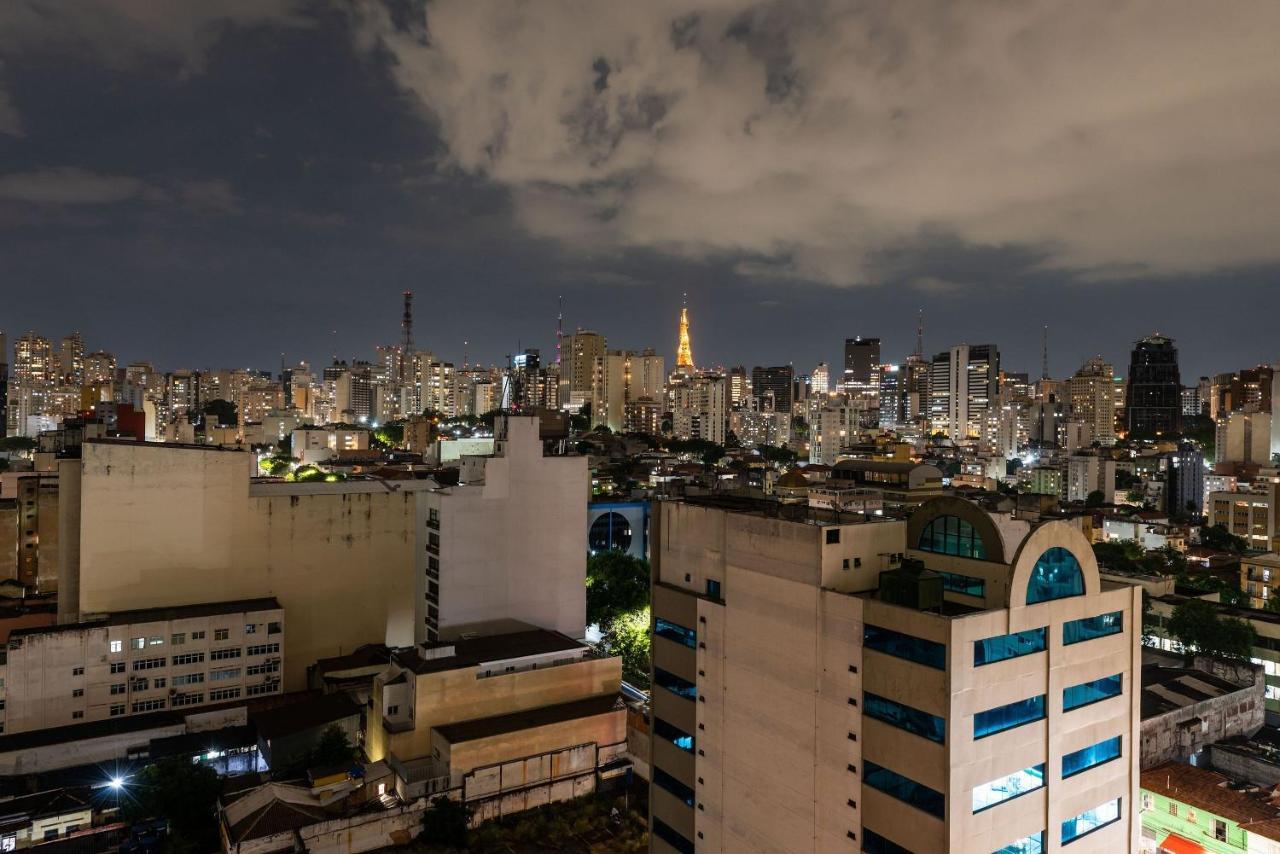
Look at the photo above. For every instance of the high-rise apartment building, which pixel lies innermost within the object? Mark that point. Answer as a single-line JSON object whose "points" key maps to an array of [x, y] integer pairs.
{"points": [[893, 395], [956, 682], [964, 383], [629, 378], [71, 359], [1093, 401], [1243, 437], [772, 388], [740, 393], [1184, 481], [862, 367], [1153, 398], [584, 357], [699, 407], [820, 380], [1248, 390]]}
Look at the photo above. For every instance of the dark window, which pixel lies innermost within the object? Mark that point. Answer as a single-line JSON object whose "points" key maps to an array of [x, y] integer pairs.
{"points": [[664, 780], [675, 632], [669, 835], [966, 584], [674, 684], [673, 734], [951, 535], [1003, 647], [609, 532], [904, 789], [1091, 756], [921, 651], [1091, 692], [904, 717], [1009, 716], [1078, 631], [713, 588]]}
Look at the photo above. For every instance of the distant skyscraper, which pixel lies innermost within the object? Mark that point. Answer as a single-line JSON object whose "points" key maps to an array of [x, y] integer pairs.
{"points": [[893, 396], [963, 385], [584, 373], [739, 386], [772, 387], [1153, 399], [862, 366], [1093, 400], [821, 380], [684, 352], [71, 357], [1184, 481]]}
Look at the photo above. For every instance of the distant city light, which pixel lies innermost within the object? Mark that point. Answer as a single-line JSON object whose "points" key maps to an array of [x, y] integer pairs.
{"points": [[116, 783]]}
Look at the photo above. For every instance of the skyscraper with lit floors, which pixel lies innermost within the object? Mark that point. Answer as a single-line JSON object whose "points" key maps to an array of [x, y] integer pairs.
{"points": [[956, 681]]}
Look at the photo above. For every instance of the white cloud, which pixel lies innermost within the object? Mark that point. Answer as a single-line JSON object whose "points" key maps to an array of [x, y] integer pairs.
{"points": [[1118, 137]]}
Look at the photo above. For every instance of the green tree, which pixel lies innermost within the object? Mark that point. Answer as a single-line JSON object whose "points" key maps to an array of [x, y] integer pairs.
{"points": [[1097, 498], [223, 410], [1218, 537], [1197, 626], [777, 454], [629, 638], [1119, 554], [181, 792], [333, 748], [389, 435], [617, 584], [446, 823], [1273, 605], [17, 444]]}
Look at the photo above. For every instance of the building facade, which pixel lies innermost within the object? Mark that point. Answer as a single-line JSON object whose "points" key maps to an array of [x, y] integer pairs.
{"points": [[1153, 397]]}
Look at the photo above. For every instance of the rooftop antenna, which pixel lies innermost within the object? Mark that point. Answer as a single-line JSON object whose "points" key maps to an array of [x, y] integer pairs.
{"points": [[465, 363], [406, 328], [1044, 356]]}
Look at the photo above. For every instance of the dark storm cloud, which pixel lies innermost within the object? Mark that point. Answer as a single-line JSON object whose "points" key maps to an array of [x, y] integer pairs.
{"points": [[217, 182]]}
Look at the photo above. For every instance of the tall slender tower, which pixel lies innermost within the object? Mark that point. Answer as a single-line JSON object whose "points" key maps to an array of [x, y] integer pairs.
{"points": [[406, 344], [559, 331], [684, 353]]}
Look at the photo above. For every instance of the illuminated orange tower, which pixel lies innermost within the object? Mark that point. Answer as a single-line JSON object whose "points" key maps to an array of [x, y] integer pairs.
{"points": [[684, 354]]}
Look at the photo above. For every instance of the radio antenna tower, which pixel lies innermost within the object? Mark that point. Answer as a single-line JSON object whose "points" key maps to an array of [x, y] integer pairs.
{"points": [[920, 333], [1044, 355], [559, 330]]}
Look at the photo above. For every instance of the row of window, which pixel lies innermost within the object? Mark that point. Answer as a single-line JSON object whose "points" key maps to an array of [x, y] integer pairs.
{"points": [[995, 649], [1032, 709], [921, 651], [180, 638]]}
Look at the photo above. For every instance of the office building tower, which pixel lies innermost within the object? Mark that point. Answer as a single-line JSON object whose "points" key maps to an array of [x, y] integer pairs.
{"points": [[915, 385], [956, 682], [71, 359], [4, 385], [584, 357], [893, 396], [1184, 481], [820, 380], [963, 385], [1242, 391], [1243, 437], [629, 378], [1153, 399], [740, 393], [772, 388], [1093, 401], [862, 367]]}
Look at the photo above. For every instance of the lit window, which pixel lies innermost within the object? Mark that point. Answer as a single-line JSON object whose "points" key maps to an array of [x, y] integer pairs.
{"points": [[1056, 575], [1091, 756], [1091, 820], [1078, 631], [117, 646], [1008, 787]]}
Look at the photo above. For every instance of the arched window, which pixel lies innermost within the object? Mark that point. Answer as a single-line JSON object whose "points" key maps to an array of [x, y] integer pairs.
{"points": [[1056, 575], [951, 535], [609, 531]]}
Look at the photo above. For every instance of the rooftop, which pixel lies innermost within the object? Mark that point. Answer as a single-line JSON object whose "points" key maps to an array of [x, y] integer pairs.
{"points": [[159, 615], [1166, 689], [1211, 791], [516, 721], [472, 652], [799, 513], [309, 714]]}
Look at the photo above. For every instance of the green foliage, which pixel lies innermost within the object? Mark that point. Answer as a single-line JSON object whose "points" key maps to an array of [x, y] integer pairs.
{"points": [[333, 748], [1126, 479], [1273, 605], [17, 444], [1201, 430], [1218, 537], [223, 410], [628, 638], [799, 426], [275, 466], [1097, 498], [445, 823], [1197, 625], [617, 584], [389, 435], [182, 793], [307, 474], [777, 454]]}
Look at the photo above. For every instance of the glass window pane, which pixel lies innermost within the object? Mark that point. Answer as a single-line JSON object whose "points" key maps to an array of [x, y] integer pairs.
{"points": [[1089, 628], [675, 632], [951, 535], [874, 843], [966, 584], [1008, 787], [1013, 715], [671, 784], [903, 788], [1091, 692], [1056, 575], [1033, 844], [674, 684], [1088, 757], [912, 720], [1008, 646], [673, 734], [671, 836], [1100, 816], [919, 650]]}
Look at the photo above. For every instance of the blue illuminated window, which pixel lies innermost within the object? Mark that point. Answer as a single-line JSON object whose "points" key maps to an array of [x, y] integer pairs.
{"points": [[912, 720], [874, 843], [671, 836], [904, 789], [1033, 844], [1087, 822], [1056, 575], [1088, 757], [951, 535], [1091, 692], [1078, 631], [966, 584], [919, 650], [996, 649], [674, 684], [1008, 787], [1013, 715], [675, 632], [673, 734], [671, 784]]}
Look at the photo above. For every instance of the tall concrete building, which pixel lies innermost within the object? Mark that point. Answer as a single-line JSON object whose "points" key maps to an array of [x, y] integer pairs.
{"points": [[351, 563], [862, 367], [820, 380], [956, 682], [772, 387], [1184, 481], [1243, 437], [893, 396], [1153, 397], [1093, 400], [584, 366], [629, 378], [964, 383], [699, 407]]}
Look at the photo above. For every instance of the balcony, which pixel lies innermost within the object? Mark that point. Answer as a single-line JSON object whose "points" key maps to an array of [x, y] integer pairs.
{"points": [[397, 725]]}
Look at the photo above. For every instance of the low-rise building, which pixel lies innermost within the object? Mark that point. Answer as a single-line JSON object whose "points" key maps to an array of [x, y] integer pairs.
{"points": [[1260, 577], [1186, 809], [1252, 514], [902, 484], [134, 662], [1185, 709]]}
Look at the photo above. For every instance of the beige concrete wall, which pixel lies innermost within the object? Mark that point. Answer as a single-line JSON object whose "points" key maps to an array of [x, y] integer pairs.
{"points": [[458, 695], [609, 728]]}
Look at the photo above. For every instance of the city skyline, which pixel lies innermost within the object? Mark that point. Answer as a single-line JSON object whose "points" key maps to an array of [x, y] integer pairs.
{"points": [[280, 165]]}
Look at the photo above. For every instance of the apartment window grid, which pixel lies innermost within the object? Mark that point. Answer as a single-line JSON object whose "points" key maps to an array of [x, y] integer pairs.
{"points": [[262, 649], [259, 669], [221, 694], [264, 688]]}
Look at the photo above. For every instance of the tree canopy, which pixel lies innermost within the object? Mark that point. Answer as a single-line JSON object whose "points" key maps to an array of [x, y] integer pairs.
{"points": [[1097, 498], [1218, 537], [334, 748], [182, 793], [617, 584], [223, 410], [1198, 626]]}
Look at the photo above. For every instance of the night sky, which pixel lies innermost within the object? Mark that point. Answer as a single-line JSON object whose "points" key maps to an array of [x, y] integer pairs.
{"points": [[214, 184]]}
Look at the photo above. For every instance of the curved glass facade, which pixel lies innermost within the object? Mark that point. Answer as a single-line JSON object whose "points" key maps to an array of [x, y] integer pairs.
{"points": [[1056, 575], [951, 535], [610, 531]]}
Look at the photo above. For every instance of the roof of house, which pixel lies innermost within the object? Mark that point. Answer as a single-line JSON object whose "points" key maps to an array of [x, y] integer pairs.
{"points": [[1165, 689], [471, 652], [307, 715], [271, 809], [1211, 791], [516, 721], [159, 615]]}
